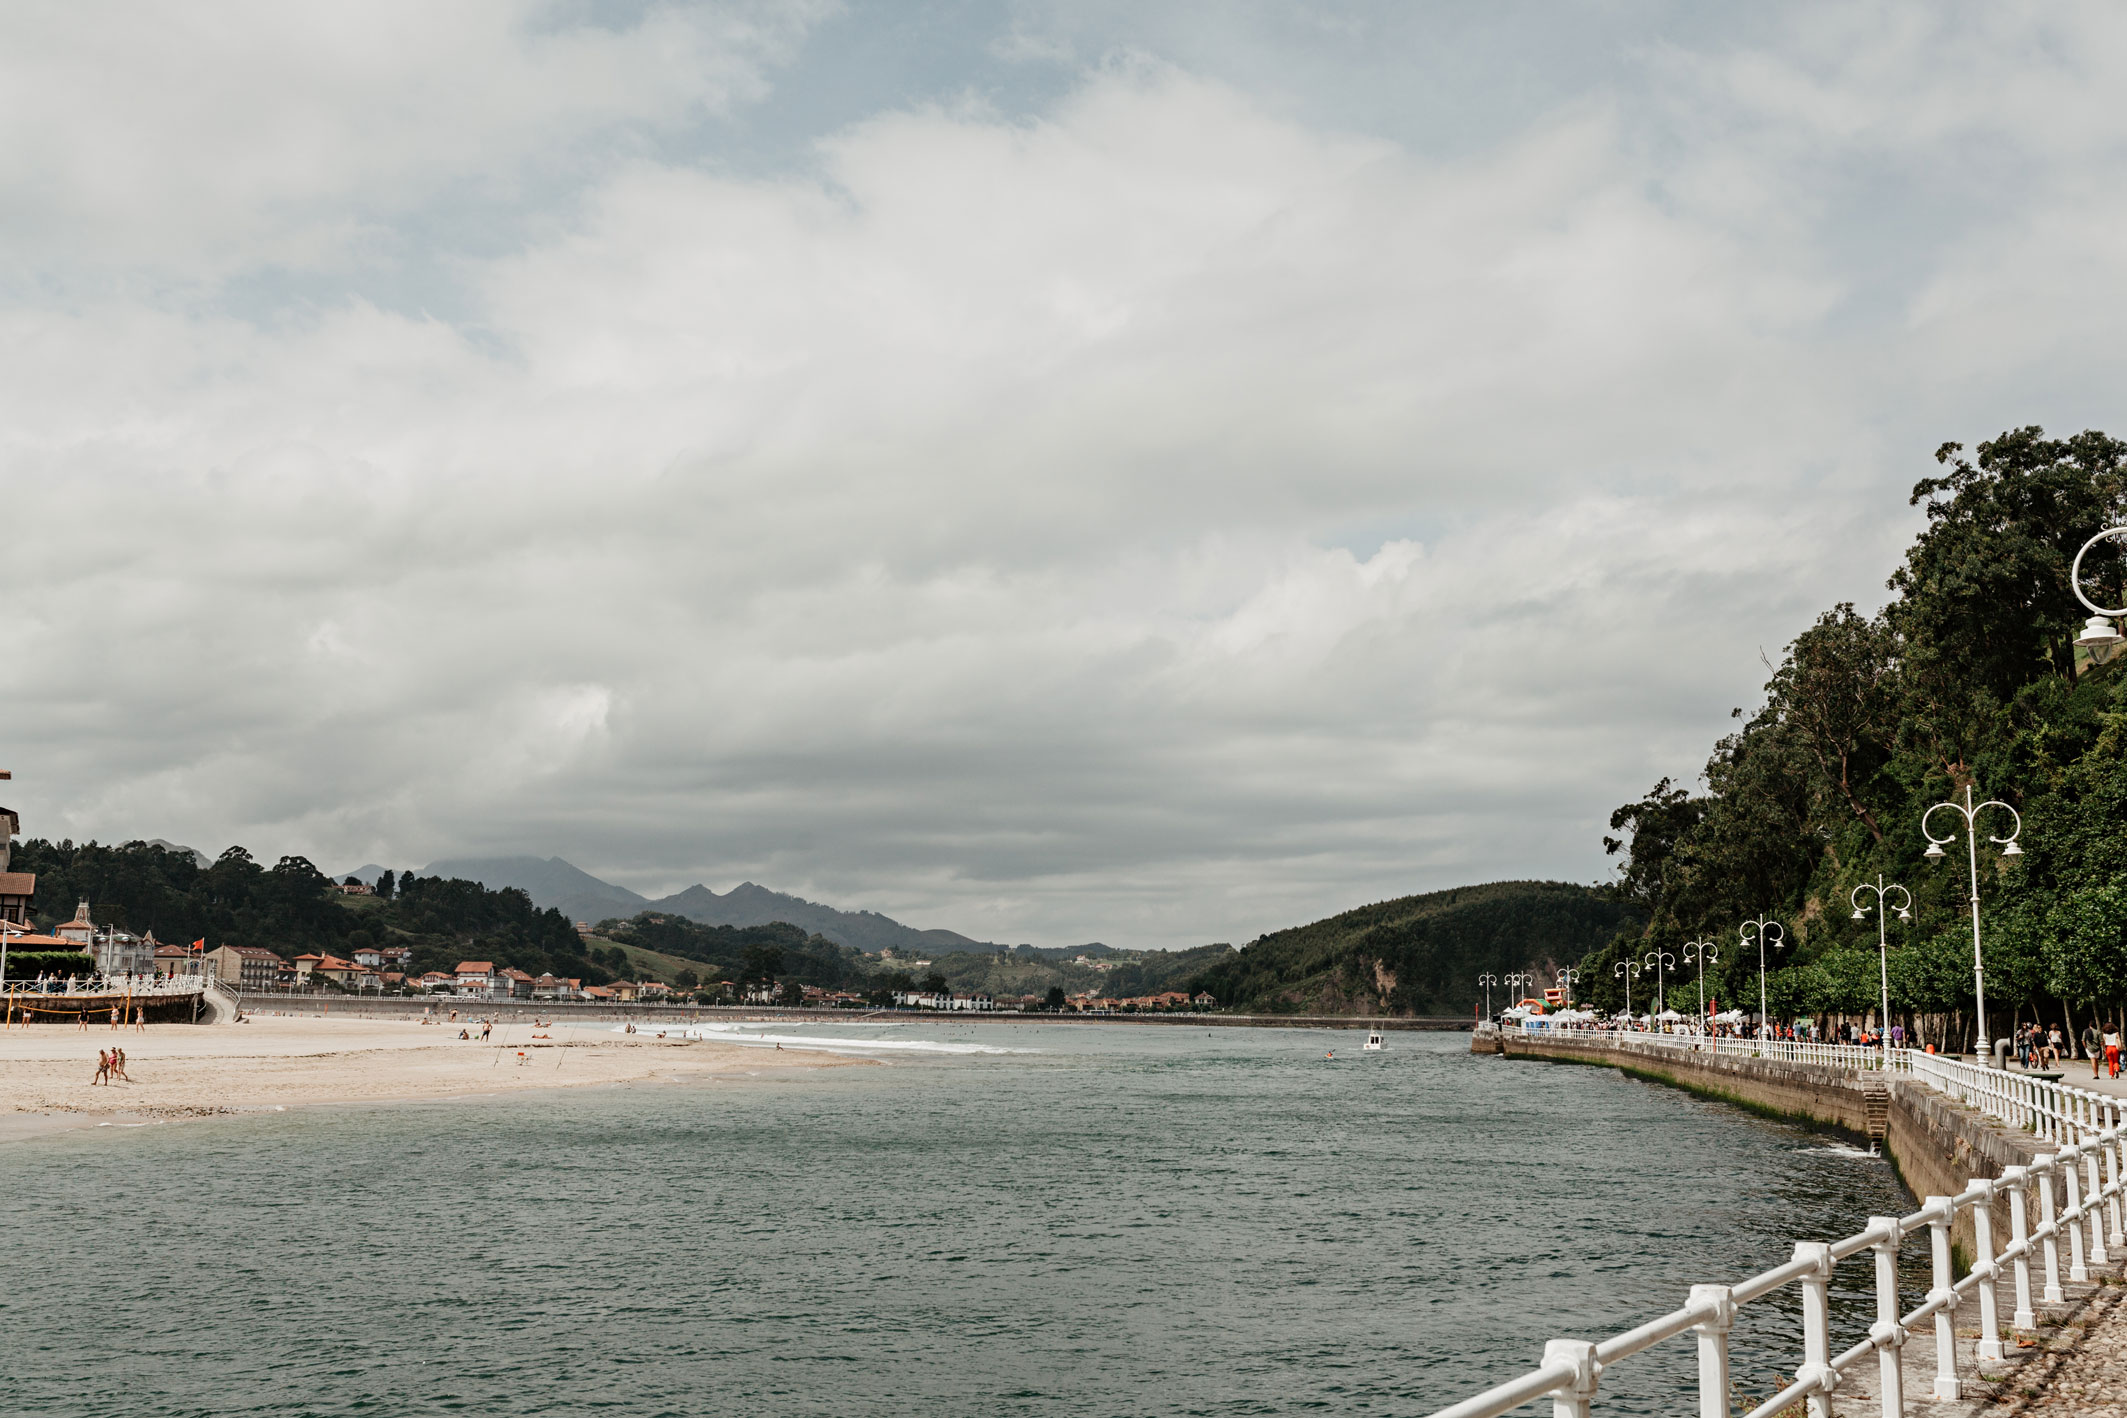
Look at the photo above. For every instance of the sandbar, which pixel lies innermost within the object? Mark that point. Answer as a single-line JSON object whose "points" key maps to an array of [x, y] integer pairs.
{"points": [[283, 1061]]}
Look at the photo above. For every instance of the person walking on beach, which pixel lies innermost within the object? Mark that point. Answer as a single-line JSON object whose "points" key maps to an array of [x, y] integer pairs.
{"points": [[103, 1069], [118, 1066], [487, 1027], [140, 1020]]}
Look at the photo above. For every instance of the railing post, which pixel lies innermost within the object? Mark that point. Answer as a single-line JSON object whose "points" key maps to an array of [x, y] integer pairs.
{"points": [[1713, 1347], [2017, 1182], [1984, 1266], [1817, 1326], [2049, 1227], [1888, 1333], [1572, 1400], [2095, 1204], [1940, 1212], [2072, 1175]]}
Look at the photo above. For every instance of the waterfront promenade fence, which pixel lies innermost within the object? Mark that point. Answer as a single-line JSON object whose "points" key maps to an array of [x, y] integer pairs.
{"points": [[1860, 1057], [111, 987], [2072, 1195]]}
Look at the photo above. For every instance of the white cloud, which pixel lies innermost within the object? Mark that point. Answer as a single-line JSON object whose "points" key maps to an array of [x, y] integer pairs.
{"points": [[1160, 519]]}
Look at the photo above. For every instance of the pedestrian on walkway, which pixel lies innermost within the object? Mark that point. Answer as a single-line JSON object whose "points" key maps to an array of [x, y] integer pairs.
{"points": [[2091, 1046], [2112, 1051]]}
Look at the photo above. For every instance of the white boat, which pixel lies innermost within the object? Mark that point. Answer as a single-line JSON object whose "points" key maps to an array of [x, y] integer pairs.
{"points": [[1375, 1043]]}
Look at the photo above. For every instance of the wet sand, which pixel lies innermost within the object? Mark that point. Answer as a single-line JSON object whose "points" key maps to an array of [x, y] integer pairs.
{"points": [[191, 1070]]}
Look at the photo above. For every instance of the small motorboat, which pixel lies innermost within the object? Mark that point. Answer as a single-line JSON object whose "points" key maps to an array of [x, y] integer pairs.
{"points": [[1375, 1043]]}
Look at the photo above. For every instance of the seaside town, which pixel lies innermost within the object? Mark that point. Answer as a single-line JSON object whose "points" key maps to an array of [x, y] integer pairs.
{"points": [[111, 957]]}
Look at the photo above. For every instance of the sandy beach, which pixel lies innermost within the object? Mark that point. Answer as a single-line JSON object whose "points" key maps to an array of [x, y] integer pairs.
{"points": [[188, 1070]]}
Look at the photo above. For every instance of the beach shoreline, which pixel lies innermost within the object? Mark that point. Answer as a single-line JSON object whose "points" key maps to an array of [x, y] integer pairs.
{"points": [[187, 1072]]}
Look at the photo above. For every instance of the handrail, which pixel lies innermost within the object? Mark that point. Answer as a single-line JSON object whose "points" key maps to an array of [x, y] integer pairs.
{"points": [[2080, 1195]]}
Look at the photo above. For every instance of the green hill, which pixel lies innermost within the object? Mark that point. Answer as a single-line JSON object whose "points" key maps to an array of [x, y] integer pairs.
{"points": [[1417, 954]]}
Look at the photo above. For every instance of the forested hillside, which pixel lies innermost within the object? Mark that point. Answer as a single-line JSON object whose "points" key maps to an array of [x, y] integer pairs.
{"points": [[1968, 676], [776, 952], [290, 908], [1418, 954]]}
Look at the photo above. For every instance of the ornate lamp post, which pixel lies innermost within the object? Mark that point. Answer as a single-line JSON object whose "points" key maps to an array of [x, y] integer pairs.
{"points": [[1662, 962], [1626, 969], [1970, 812], [1704, 953], [1883, 947], [1757, 930], [2100, 636], [1566, 977], [1487, 981]]}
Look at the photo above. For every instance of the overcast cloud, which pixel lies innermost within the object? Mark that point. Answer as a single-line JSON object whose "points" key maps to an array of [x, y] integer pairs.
{"points": [[1141, 473]]}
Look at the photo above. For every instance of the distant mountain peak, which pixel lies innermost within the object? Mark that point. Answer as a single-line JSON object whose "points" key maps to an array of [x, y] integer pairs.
{"points": [[550, 881]]}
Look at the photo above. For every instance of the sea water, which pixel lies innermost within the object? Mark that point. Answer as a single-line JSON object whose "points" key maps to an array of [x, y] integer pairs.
{"points": [[1021, 1219]]}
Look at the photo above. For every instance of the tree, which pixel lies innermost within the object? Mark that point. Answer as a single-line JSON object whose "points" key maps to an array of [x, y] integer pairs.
{"points": [[763, 963], [687, 980], [935, 984], [1836, 687], [1055, 998], [1988, 580], [793, 995], [386, 884]]}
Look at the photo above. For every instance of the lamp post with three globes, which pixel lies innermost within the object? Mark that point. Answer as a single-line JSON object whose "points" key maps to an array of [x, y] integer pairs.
{"points": [[1704, 953], [1757, 929], [1626, 969], [1970, 812], [1883, 947]]}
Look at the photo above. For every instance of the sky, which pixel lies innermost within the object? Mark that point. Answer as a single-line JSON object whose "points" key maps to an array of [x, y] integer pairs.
{"points": [[1142, 472]]}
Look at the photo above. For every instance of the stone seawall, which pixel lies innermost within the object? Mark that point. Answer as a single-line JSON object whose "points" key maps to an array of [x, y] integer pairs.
{"points": [[1937, 1146]]}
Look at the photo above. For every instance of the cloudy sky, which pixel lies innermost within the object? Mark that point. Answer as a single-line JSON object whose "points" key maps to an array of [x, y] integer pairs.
{"points": [[1128, 471]]}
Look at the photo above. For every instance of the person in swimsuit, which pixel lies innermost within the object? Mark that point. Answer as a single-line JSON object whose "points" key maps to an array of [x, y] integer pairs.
{"points": [[103, 1069]]}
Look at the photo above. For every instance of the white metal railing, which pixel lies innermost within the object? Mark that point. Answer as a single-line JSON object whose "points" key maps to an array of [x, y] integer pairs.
{"points": [[2078, 1193], [1849, 1056], [117, 986]]}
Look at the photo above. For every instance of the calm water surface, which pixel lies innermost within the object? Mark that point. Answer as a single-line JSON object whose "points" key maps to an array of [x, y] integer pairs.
{"points": [[1125, 1220]]}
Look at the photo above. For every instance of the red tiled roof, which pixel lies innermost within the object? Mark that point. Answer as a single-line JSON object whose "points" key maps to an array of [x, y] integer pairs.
{"points": [[513, 973], [18, 883], [476, 967], [34, 941]]}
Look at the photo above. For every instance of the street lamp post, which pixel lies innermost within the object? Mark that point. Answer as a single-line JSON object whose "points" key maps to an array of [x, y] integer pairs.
{"points": [[1970, 812], [1522, 981], [1663, 962], [1626, 969], [1757, 929], [2100, 636], [1487, 981], [1883, 945], [1566, 977], [1704, 953]]}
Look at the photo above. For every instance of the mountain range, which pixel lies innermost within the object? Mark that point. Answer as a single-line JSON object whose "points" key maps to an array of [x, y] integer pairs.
{"points": [[580, 896]]}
